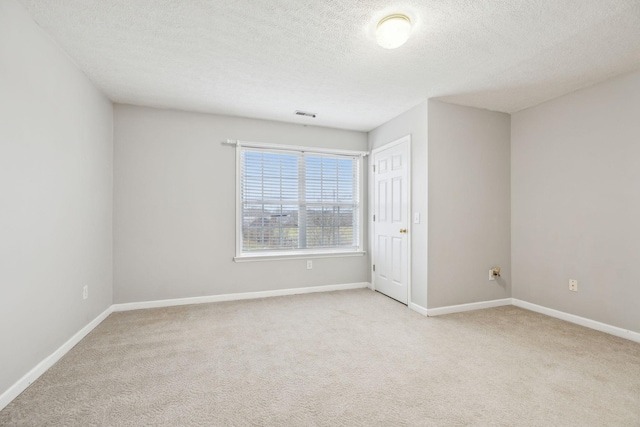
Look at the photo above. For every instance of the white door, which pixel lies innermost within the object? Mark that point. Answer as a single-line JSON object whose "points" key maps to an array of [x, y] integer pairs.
{"points": [[391, 220]]}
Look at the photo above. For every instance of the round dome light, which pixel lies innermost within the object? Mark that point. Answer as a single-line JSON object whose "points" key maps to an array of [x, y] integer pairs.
{"points": [[393, 31]]}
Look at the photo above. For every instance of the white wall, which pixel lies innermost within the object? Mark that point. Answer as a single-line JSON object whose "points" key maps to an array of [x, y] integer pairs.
{"points": [[576, 203], [413, 122], [469, 204], [174, 207], [56, 196]]}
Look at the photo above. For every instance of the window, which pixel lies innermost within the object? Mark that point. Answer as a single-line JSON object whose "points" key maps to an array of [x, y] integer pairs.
{"points": [[294, 202]]}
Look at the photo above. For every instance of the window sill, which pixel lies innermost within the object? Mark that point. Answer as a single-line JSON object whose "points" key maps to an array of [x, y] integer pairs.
{"points": [[296, 255]]}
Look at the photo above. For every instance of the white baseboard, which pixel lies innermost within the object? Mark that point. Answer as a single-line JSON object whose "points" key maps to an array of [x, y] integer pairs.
{"points": [[24, 382], [418, 309], [236, 297], [40, 368], [582, 321], [468, 307]]}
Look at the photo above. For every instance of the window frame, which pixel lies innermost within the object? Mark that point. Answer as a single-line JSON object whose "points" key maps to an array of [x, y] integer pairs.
{"points": [[297, 253]]}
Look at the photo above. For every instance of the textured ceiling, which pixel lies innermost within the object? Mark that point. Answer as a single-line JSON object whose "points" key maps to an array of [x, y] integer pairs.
{"points": [[268, 58]]}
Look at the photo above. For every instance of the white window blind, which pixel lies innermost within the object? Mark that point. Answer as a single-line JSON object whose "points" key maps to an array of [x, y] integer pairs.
{"points": [[297, 201]]}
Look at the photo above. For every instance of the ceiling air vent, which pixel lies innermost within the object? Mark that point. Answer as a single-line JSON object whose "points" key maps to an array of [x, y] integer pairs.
{"points": [[304, 113]]}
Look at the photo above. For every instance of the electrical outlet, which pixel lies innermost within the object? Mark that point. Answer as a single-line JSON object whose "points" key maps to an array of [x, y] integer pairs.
{"points": [[573, 285], [491, 276], [309, 264], [85, 292]]}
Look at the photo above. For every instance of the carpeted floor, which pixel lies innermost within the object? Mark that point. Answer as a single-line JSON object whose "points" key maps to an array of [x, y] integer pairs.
{"points": [[351, 358]]}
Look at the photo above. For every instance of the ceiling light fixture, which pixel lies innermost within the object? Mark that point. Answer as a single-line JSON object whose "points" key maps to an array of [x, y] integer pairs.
{"points": [[393, 31]]}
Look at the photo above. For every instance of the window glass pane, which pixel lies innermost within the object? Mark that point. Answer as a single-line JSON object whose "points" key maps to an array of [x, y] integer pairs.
{"points": [[329, 179], [270, 176], [331, 226], [269, 226]]}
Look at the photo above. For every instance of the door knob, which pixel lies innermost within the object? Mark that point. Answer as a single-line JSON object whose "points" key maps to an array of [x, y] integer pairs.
{"points": [[403, 230]]}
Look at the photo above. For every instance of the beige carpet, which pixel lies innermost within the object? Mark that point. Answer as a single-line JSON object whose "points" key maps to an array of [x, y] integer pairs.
{"points": [[352, 358]]}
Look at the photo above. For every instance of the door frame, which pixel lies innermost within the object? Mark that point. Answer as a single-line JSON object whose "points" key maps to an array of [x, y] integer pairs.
{"points": [[405, 139]]}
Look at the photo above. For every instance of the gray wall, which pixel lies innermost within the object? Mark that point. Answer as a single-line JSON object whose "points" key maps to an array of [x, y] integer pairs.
{"points": [[174, 207], [469, 204], [576, 203], [56, 186], [414, 123]]}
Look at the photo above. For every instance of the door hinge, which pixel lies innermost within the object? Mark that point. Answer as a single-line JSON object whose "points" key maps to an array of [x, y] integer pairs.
{"points": [[374, 267]]}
